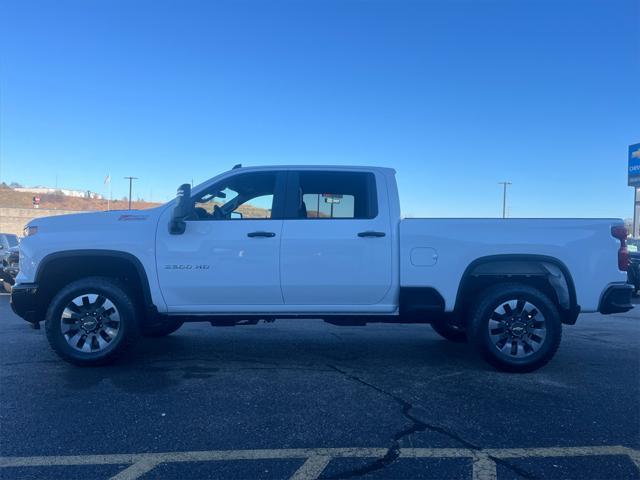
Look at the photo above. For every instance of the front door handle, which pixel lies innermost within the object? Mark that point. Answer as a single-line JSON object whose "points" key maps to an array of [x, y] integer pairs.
{"points": [[261, 234], [370, 233]]}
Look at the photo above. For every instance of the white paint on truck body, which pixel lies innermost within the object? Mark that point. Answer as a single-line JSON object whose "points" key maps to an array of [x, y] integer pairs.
{"points": [[584, 246], [322, 266]]}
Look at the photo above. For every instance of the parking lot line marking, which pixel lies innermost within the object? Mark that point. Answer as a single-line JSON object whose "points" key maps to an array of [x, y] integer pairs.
{"points": [[136, 470], [436, 453], [634, 455], [483, 468], [557, 452], [317, 459], [312, 468]]}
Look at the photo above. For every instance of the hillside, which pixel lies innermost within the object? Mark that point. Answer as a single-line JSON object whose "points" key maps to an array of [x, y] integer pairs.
{"points": [[9, 198], [13, 199]]}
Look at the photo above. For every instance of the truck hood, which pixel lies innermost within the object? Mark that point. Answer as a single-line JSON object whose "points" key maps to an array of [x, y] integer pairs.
{"points": [[110, 220]]}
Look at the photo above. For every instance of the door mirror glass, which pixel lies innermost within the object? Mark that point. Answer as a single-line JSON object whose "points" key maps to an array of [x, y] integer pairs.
{"points": [[182, 210]]}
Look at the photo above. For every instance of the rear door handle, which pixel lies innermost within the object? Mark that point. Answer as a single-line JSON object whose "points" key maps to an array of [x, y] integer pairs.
{"points": [[261, 234], [370, 233]]}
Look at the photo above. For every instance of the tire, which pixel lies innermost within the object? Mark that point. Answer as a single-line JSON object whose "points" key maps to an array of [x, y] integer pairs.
{"points": [[515, 314], [451, 332], [92, 321], [161, 329]]}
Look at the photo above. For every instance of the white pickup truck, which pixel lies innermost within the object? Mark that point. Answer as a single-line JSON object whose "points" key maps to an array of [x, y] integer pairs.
{"points": [[265, 243]]}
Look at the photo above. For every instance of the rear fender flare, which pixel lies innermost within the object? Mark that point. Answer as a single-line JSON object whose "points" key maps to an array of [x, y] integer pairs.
{"points": [[514, 265]]}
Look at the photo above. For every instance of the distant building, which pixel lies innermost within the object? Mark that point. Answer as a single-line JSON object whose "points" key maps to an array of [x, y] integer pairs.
{"points": [[60, 191]]}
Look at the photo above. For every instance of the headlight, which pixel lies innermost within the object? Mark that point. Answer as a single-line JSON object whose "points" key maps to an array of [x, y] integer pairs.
{"points": [[30, 230]]}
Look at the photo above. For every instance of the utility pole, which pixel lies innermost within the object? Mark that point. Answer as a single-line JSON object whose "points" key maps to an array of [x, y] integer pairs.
{"points": [[636, 204], [504, 197], [131, 179]]}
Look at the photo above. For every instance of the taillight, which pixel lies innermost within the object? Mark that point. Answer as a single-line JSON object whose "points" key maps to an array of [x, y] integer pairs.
{"points": [[620, 233]]}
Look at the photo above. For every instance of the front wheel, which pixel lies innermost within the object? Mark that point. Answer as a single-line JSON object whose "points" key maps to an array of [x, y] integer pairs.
{"points": [[91, 321], [515, 327]]}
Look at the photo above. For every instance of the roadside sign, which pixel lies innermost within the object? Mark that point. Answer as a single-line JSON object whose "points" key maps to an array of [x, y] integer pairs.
{"points": [[634, 165], [332, 197]]}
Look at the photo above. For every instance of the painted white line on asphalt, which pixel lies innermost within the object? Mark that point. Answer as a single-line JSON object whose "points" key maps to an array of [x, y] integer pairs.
{"points": [[436, 453], [634, 455], [312, 468], [197, 456], [557, 452], [316, 459], [136, 470], [483, 468]]}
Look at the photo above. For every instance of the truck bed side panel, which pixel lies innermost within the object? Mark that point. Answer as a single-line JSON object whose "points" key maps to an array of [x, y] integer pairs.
{"points": [[436, 252]]}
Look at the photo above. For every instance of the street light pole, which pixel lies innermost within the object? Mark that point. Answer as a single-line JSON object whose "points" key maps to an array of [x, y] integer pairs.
{"points": [[504, 197], [634, 233], [131, 179]]}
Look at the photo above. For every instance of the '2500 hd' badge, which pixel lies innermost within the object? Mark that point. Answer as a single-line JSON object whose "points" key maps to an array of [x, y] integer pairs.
{"points": [[186, 267]]}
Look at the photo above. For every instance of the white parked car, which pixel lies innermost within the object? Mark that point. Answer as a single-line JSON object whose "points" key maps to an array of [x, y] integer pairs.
{"points": [[315, 242]]}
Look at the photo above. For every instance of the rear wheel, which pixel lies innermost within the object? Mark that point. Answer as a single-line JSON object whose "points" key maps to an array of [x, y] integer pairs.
{"points": [[453, 333], [515, 327], [91, 321]]}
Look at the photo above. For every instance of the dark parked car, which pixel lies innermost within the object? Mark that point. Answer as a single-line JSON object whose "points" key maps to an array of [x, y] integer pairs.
{"points": [[8, 260], [633, 274]]}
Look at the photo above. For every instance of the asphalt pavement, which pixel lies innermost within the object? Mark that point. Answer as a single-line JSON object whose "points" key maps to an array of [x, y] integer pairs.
{"points": [[304, 399]]}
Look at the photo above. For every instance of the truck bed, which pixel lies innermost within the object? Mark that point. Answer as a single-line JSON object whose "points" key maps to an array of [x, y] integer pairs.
{"points": [[437, 252]]}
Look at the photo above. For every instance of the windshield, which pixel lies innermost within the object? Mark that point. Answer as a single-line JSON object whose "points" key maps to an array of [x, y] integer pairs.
{"points": [[12, 240]]}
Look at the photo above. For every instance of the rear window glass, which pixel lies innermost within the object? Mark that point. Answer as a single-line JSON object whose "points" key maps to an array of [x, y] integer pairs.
{"points": [[332, 195]]}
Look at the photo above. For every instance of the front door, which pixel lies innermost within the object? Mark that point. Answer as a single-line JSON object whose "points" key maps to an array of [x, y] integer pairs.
{"points": [[227, 260]]}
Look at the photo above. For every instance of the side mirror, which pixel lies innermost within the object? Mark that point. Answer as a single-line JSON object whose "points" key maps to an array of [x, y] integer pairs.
{"points": [[236, 215], [182, 211]]}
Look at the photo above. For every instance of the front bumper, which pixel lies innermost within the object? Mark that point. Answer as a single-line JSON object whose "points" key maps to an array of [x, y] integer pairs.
{"points": [[616, 299], [24, 302]]}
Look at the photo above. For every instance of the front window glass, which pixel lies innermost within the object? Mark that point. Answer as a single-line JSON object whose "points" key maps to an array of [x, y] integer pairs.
{"points": [[244, 196]]}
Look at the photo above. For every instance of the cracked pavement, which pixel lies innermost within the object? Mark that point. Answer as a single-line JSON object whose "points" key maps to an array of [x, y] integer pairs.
{"points": [[306, 384], [417, 425]]}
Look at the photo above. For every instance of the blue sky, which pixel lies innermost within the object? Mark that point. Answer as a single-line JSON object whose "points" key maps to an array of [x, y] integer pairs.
{"points": [[455, 95]]}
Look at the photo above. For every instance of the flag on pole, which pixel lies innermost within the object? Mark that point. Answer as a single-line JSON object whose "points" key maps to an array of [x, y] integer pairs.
{"points": [[107, 180]]}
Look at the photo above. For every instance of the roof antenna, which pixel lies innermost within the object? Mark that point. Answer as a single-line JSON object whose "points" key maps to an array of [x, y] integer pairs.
{"points": [[236, 166]]}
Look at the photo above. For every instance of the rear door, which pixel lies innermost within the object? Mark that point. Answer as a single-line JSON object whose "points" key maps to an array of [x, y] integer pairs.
{"points": [[336, 241]]}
